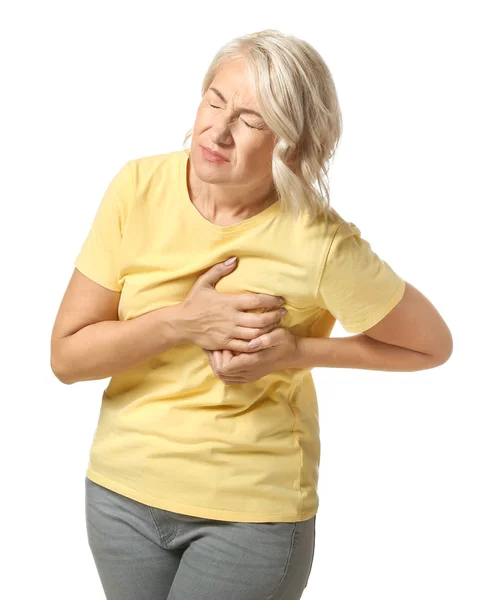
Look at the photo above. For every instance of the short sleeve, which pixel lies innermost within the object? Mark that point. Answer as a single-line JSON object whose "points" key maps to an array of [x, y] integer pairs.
{"points": [[356, 286], [99, 257]]}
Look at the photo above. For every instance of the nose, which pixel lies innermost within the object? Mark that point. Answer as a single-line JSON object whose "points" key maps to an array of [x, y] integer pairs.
{"points": [[220, 130], [221, 135]]}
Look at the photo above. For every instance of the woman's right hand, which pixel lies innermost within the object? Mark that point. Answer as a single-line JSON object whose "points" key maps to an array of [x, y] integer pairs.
{"points": [[217, 321]]}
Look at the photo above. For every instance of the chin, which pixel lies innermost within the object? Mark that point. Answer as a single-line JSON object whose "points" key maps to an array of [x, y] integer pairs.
{"points": [[206, 171]]}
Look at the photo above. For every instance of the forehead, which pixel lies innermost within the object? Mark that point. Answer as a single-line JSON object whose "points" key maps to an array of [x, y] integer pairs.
{"points": [[232, 79]]}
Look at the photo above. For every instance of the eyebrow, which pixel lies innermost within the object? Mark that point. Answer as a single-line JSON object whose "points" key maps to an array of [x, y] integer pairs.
{"points": [[244, 110]]}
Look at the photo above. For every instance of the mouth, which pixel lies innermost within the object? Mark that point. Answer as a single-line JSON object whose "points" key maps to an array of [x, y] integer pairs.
{"points": [[212, 155]]}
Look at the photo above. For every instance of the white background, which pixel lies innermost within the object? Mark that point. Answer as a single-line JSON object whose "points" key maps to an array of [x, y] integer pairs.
{"points": [[90, 85]]}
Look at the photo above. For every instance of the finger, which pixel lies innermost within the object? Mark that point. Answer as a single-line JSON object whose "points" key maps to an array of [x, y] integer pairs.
{"points": [[227, 355], [240, 365], [247, 333], [250, 301], [242, 346], [217, 360], [262, 342], [252, 321]]}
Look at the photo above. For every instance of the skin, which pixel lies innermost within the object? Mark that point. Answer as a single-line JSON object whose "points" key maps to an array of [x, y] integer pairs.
{"points": [[278, 351], [229, 192]]}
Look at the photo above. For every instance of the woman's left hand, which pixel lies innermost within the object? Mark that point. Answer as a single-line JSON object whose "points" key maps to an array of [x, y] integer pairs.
{"points": [[276, 350]]}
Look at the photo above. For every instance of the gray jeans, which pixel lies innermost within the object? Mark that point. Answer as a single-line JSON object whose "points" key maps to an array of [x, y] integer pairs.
{"points": [[147, 553]]}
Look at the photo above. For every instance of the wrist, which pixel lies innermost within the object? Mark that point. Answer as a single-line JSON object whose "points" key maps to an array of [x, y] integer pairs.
{"points": [[300, 356], [176, 324]]}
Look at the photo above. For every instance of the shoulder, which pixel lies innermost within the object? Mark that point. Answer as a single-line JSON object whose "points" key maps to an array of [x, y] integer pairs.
{"points": [[331, 227], [145, 168]]}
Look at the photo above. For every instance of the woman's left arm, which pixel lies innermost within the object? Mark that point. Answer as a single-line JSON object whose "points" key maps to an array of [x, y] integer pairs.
{"points": [[411, 337]]}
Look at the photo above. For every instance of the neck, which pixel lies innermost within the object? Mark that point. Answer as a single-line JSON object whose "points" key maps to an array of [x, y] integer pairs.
{"points": [[228, 203]]}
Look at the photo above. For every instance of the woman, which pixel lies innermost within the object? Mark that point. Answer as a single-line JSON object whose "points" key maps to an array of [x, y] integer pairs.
{"points": [[202, 480]]}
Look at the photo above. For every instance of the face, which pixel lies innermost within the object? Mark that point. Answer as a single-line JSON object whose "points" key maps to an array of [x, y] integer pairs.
{"points": [[225, 124]]}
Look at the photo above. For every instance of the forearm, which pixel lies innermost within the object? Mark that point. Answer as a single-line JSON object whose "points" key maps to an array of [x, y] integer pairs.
{"points": [[360, 352], [106, 348]]}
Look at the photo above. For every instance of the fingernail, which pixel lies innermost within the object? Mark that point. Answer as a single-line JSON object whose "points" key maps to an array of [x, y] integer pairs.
{"points": [[254, 343], [284, 311]]}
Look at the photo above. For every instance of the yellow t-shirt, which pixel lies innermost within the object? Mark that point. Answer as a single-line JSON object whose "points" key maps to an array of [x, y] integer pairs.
{"points": [[170, 433]]}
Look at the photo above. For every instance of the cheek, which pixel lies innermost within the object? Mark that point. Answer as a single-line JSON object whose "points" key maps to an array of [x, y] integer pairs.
{"points": [[258, 158]]}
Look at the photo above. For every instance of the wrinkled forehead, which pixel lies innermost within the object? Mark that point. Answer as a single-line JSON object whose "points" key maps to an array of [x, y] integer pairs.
{"points": [[233, 81]]}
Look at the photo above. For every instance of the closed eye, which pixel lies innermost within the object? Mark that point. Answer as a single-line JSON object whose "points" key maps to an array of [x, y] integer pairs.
{"points": [[250, 126]]}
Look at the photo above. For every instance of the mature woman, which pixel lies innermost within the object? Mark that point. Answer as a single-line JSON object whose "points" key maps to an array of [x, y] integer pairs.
{"points": [[202, 479]]}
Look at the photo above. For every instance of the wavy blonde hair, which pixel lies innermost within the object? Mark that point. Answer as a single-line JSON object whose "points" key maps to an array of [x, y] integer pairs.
{"points": [[298, 102]]}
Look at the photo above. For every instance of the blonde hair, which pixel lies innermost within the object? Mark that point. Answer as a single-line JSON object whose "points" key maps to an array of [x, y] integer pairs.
{"points": [[298, 102]]}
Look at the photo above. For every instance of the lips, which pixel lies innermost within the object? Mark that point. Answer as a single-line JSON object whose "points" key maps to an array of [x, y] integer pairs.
{"points": [[217, 154]]}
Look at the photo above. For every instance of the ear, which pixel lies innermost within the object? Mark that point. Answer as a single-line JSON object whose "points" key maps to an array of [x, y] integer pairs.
{"points": [[291, 162]]}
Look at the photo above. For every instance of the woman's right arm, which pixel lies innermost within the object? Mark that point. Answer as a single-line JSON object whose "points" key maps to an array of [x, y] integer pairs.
{"points": [[89, 342], [106, 348]]}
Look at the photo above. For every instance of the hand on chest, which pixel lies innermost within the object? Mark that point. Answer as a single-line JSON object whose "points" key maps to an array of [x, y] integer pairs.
{"points": [[148, 286]]}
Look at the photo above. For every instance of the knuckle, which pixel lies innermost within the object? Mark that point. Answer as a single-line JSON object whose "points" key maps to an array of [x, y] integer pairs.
{"points": [[268, 318], [269, 322], [247, 299]]}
